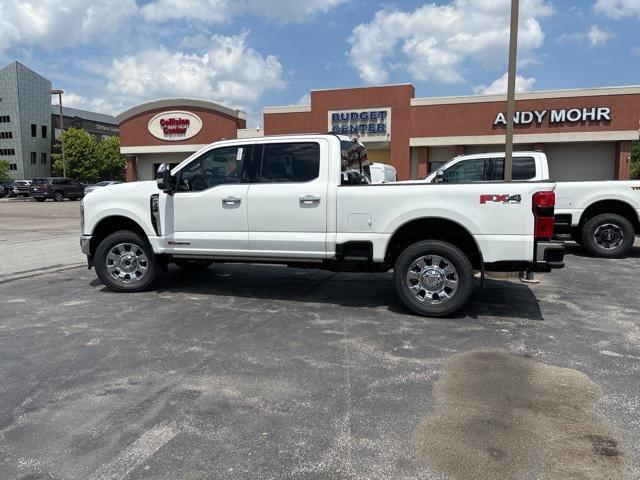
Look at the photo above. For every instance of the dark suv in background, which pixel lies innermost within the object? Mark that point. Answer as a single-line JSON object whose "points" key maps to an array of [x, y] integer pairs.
{"points": [[57, 188]]}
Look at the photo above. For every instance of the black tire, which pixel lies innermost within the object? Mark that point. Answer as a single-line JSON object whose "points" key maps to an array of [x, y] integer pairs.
{"points": [[433, 306], [39, 199], [608, 235], [116, 280], [58, 196], [192, 265]]}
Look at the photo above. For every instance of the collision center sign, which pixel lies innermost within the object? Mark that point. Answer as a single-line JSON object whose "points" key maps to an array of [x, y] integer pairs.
{"points": [[373, 123], [175, 125]]}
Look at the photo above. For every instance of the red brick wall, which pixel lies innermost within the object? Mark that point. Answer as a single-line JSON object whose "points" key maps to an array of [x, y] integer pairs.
{"points": [[215, 126], [283, 123], [397, 97], [477, 118]]}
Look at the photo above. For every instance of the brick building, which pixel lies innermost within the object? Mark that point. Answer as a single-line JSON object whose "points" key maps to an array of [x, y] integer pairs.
{"points": [[585, 133]]}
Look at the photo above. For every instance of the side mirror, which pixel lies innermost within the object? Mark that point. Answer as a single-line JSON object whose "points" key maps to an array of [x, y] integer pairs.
{"points": [[165, 181], [439, 178]]}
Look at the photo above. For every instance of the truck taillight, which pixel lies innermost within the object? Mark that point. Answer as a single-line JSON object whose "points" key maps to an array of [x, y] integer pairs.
{"points": [[542, 206]]}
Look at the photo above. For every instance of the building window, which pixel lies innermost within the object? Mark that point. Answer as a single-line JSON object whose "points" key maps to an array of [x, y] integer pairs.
{"points": [[7, 151], [43, 158], [13, 166], [33, 158], [34, 130], [5, 119], [6, 134], [44, 131]]}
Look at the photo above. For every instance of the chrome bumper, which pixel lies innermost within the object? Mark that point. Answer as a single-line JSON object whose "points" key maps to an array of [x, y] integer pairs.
{"points": [[85, 241]]}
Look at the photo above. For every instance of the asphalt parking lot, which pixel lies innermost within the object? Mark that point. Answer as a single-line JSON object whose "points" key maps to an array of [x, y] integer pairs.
{"points": [[269, 372]]}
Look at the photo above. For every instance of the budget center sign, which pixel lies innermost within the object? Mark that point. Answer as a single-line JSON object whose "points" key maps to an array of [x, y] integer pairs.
{"points": [[374, 123]]}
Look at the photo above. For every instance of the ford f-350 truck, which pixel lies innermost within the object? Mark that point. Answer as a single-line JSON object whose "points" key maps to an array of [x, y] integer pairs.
{"points": [[307, 201], [602, 216]]}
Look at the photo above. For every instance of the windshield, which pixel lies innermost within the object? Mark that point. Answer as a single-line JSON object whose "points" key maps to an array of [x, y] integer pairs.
{"points": [[39, 181]]}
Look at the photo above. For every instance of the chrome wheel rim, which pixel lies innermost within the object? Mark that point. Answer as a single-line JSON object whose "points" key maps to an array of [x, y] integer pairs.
{"points": [[127, 263], [608, 236], [432, 279]]}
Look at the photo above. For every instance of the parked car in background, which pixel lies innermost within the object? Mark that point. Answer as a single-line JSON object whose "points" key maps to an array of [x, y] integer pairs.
{"points": [[91, 188], [17, 188], [3, 191], [382, 173], [56, 188], [602, 216]]}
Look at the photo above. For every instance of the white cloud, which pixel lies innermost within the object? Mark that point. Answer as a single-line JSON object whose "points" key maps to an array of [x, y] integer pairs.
{"points": [[499, 86], [304, 100], [594, 36], [95, 104], [438, 41], [228, 72], [597, 36], [52, 24], [218, 11], [618, 8]]}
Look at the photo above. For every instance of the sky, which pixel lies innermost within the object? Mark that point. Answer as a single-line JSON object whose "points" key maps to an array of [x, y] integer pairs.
{"points": [[109, 55]]}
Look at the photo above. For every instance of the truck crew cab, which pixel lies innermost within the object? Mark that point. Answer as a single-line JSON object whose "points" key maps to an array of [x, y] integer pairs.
{"points": [[307, 201]]}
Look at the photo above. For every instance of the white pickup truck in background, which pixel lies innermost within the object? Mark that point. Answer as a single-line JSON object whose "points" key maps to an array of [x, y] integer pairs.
{"points": [[307, 201], [602, 216]]}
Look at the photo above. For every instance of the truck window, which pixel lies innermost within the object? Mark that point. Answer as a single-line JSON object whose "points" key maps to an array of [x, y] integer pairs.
{"points": [[465, 171], [523, 168], [215, 167], [355, 169], [289, 162]]}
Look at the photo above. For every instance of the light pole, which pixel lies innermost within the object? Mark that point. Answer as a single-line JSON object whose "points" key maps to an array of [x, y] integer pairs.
{"points": [[511, 90], [64, 160]]}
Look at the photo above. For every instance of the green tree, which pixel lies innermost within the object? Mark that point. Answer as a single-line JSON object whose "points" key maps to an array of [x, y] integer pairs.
{"points": [[81, 153], [111, 161], [4, 170], [635, 160]]}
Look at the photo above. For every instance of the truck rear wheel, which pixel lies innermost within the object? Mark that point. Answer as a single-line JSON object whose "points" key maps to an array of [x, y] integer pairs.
{"points": [[433, 278], [608, 235], [125, 262]]}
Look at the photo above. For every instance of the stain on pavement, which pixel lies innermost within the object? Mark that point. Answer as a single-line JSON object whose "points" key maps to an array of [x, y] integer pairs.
{"points": [[502, 416]]}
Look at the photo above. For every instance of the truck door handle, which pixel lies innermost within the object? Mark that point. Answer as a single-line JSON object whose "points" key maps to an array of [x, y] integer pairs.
{"points": [[231, 201], [309, 199]]}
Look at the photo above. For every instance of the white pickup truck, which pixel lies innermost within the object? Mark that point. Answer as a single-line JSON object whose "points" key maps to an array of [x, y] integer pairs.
{"points": [[306, 201], [602, 216]]}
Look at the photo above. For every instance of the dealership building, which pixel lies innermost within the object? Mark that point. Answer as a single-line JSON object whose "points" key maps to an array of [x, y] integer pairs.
{"points": [[171, 129], [585, 133], [30, 124]]}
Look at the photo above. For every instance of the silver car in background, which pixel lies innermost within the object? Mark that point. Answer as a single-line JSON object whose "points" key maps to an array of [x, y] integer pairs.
{"points": [[91, 188]]}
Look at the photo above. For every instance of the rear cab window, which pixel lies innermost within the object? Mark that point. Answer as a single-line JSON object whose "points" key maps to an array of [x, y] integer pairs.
{"points": [[354, 168]]}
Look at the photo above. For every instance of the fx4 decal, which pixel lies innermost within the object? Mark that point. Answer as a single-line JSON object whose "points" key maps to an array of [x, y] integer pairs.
{"points": [[635, 188], [500, 198]]}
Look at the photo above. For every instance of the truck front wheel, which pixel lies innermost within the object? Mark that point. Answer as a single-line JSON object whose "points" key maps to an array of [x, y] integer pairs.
{"points": [[125, 262], [608, 235], [433, 278]]}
